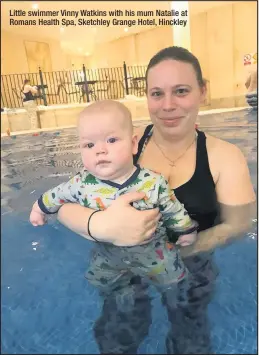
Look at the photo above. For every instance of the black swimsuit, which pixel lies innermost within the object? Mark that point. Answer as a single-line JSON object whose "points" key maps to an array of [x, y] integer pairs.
{"points": [[28, 96], [198, 194]]}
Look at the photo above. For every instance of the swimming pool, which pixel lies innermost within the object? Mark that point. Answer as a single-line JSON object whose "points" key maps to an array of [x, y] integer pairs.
{"points": [[48, 307]]}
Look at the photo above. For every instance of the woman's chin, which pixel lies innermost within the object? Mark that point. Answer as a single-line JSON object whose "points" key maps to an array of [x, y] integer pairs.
{"points": [[172, 128]]}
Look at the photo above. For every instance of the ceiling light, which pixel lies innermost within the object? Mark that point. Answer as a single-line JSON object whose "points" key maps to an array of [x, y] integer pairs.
{"points": [[87, 53], [126, 29], [35, 6]]}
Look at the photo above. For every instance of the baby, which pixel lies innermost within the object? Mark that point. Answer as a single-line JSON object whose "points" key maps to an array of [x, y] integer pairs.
{"points": [[107, 145]]}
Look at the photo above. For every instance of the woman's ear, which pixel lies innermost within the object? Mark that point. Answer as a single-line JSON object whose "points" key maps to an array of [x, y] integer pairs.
{"points": [[203, 90], [135, 141]]}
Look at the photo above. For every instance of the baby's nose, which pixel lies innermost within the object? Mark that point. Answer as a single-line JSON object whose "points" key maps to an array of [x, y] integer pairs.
{"points": [[101, 149]]}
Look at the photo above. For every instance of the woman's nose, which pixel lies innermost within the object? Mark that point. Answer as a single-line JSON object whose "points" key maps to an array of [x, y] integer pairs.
{"points": [[169, 103]]}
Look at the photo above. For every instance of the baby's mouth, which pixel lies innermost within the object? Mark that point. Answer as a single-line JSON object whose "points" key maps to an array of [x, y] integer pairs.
{"points": [[103, 162]]}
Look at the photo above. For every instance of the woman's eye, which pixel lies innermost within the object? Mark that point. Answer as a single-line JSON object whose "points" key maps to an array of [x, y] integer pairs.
{"points": [[156, 93], [182, 91], [112, 140]]}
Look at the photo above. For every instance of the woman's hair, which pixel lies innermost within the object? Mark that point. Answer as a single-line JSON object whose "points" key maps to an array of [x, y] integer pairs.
{"points": [[181, 55]]}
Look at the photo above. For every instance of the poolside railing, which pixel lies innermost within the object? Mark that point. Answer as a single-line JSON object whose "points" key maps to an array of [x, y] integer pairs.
{"points": [[75, 86]]}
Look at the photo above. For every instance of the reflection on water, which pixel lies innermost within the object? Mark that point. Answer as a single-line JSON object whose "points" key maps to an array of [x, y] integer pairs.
{"points": [[46, 304]]}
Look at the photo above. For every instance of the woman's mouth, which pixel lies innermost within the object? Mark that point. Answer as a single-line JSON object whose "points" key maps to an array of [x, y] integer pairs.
{"points": [[171, 122]]}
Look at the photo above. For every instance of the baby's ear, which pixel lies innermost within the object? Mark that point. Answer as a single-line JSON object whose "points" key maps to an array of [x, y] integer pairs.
{"points": [[135, 144]]}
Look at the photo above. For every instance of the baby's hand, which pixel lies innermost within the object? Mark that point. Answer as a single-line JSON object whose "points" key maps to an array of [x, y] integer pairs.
{"points": [[187, 239], [37, 217]]}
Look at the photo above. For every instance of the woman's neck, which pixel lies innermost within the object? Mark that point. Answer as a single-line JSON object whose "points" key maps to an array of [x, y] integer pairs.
{"points": [[174, 143]]}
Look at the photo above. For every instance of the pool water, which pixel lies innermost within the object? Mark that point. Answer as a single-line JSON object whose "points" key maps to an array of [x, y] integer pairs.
{"points": [[48, 307]]}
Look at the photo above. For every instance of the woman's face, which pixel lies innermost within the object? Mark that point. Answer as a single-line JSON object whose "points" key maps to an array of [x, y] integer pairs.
{"points": [[173, 96]]}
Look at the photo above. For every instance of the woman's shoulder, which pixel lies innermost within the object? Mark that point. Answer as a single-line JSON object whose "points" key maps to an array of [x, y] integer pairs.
{"points": [[230, 172], [221, 151]]}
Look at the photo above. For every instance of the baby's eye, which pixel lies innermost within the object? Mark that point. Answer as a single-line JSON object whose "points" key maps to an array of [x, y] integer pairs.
{"points": [[112, 140], [88, 145]]}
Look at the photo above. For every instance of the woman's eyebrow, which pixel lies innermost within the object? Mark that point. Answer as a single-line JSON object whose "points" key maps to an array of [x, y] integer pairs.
{"points": [[180, 85], [175, 87], [155, 88]]}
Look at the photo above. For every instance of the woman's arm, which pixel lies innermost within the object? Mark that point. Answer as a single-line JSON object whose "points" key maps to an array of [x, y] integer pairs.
{"points": [[119, 224], [30, 88], [75, 217], [236, 198], [248, 81]]}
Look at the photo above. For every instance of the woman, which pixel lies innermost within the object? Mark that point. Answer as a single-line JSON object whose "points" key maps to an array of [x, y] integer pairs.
{"points": [[29, 103], [251, 85], [208, 176]]}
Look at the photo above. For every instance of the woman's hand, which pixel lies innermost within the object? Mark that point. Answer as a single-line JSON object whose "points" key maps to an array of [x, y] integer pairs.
{"points": [[123, 224], [120, 224], [34, 90]]}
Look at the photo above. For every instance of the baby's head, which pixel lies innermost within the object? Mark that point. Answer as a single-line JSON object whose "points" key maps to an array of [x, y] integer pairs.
{"points": [[106, 138]]}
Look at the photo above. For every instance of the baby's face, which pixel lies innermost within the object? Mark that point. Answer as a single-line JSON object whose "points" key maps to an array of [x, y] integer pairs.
{"points": [[107, 145]]}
